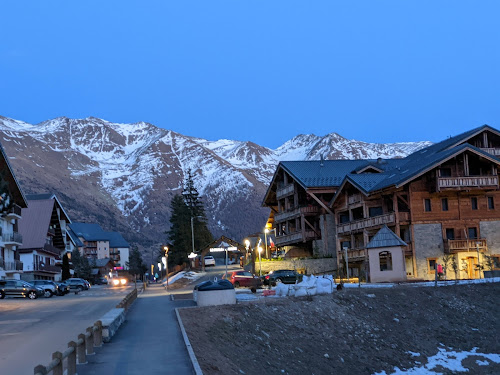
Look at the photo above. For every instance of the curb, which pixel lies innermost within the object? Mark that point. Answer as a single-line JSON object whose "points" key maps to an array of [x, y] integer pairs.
{"points": [[192, 356]]}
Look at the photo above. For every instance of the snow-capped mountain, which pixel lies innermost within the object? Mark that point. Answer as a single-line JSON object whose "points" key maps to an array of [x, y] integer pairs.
{"points": [[123, 176]]}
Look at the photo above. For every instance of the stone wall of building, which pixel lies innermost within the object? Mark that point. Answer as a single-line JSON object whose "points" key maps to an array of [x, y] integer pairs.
{"points": [[490, 230], [428, 244]]}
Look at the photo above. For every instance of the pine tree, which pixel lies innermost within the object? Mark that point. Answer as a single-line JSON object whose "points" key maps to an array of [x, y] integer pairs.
{"points": [[65, 268], [135, 264], [187, 207]]}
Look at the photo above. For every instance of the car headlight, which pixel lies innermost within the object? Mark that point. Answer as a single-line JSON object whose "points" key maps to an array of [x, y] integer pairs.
{"points": [[116, 282], [123, 281]]}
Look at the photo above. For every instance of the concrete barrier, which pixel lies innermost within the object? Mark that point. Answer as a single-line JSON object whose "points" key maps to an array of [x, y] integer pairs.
{"points": [[111, 321], [216, 297]]}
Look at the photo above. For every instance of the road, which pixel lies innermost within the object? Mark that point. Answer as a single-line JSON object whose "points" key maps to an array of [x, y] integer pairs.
{"points": [[31, 330]]}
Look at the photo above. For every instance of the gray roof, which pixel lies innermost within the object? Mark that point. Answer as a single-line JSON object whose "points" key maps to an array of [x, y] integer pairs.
{"points": [[116, 240], [94, 232], [74, 237], [35, 223], [102, 262], [385, 238]]}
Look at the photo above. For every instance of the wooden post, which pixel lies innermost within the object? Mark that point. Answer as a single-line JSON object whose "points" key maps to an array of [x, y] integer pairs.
{"points": [[72, 359], [82, 356], [98, 334], [89, 343], [40, 370], [58, 369]]}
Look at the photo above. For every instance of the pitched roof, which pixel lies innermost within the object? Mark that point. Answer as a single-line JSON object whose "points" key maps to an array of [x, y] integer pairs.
{"points": [[74, 237], [35, 223], [89, 231], [35, 197], [14, 187], [102, 262], [116, 240], [385, 238]]}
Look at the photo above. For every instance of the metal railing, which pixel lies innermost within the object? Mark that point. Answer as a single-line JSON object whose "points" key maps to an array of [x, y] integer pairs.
{"points": [[12, 237]]}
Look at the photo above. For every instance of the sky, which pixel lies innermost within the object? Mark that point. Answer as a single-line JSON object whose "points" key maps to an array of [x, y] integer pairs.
{"points": [[261, 71]]}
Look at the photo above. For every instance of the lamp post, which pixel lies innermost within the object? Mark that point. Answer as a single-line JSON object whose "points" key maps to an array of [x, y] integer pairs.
{"points": [[259, 249], [192, 239], [266, 231], [247, 246], [160, 269], [346, 263], [166, 262]]}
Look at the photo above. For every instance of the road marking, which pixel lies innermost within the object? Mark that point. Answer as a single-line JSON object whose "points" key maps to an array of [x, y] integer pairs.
{"points": [[10, 334], [19, 321]]}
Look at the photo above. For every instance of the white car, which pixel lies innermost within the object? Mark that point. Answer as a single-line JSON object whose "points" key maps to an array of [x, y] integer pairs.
{"points": [[209, 261]]}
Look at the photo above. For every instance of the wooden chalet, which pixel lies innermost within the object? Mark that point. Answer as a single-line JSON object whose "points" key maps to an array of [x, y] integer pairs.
{"points": [[441, 200]]}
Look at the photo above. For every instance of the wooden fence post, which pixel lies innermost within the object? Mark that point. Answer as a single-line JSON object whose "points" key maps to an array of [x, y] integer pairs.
{"points": [[58, 369], [98, 334], [40, 370], [89, 342], [72, 359], [82, 356]]}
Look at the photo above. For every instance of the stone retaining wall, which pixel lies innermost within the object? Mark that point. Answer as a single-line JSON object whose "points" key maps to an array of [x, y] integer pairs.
{"points": [[306, 266]]}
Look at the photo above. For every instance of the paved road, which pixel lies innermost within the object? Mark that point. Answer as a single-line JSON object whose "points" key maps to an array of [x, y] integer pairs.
{"points": [[31, 330]]}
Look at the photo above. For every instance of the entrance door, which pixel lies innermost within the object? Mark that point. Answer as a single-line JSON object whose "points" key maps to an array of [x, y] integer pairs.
{"points": [[472, 270]]}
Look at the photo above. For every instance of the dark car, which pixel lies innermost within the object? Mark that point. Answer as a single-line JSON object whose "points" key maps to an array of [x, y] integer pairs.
{"points": [[243, 278], [282, 276], [62, 289], [77, 284], [19, 288]]}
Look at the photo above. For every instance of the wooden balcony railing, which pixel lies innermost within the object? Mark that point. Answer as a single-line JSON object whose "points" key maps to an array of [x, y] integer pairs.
{"points": [[467, 182], [366, 223], [284, 191], [295, 237], [353, 254], [14, 211], [454, 246], [492, 151], [287, 215]]}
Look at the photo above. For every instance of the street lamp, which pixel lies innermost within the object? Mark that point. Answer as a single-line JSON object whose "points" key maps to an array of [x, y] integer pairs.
{"points": [[478, 259], [259, 249], [247, 246], [266, 231], [165, 248], [346, 263], [192, 238], [159, 269]]}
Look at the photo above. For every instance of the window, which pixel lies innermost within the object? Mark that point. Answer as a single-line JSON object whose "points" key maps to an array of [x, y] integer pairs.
{"points": [[427, 205], [445, 172], [472, 233], [385, 260], [344, 218], [491, 203], [444, 204], [496, 261], [431, 262], [473, 203], [375, 211], [450, 234]]}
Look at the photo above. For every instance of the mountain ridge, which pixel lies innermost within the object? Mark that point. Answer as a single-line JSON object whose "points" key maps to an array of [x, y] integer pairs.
{"points": [[123, 176]]}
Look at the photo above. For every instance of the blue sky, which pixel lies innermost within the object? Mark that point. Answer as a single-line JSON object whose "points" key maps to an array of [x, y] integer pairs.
{"points": [[264, 71]]}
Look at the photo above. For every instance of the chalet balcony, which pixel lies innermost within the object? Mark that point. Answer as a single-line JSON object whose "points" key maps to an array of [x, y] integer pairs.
{"points": [[288, 215], [353, 254], [455, 246], [285, 190], [296, 237], [353, 199], [366, 223], [14, 212], [11, 266], [51, 249], [481, 182], [492, 151], [12, 239]]}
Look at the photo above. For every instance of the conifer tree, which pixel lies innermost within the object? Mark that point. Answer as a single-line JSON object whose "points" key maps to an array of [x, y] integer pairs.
{"points": [[135, 264], [65, 268], [184, 207]]}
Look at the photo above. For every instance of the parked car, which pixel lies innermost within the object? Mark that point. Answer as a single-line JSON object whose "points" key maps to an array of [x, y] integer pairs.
{"points": [[101, 281], [281, 276], [243, 278], [77, 285], [49, 287], [62, 289], [209, 261], [19, 288]]}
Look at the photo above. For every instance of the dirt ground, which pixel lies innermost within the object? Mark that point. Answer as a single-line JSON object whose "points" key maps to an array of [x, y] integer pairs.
{"points": [[353, 331]]}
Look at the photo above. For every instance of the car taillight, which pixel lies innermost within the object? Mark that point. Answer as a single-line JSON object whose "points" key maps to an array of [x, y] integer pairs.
{"points": [[267, 277]]}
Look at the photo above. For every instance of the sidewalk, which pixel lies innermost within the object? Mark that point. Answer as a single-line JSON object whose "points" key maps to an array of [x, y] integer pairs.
{"points": [[149, 342]]}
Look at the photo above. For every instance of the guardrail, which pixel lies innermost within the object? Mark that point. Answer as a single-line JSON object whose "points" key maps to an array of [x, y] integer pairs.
{"points": [[65, 363]]}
